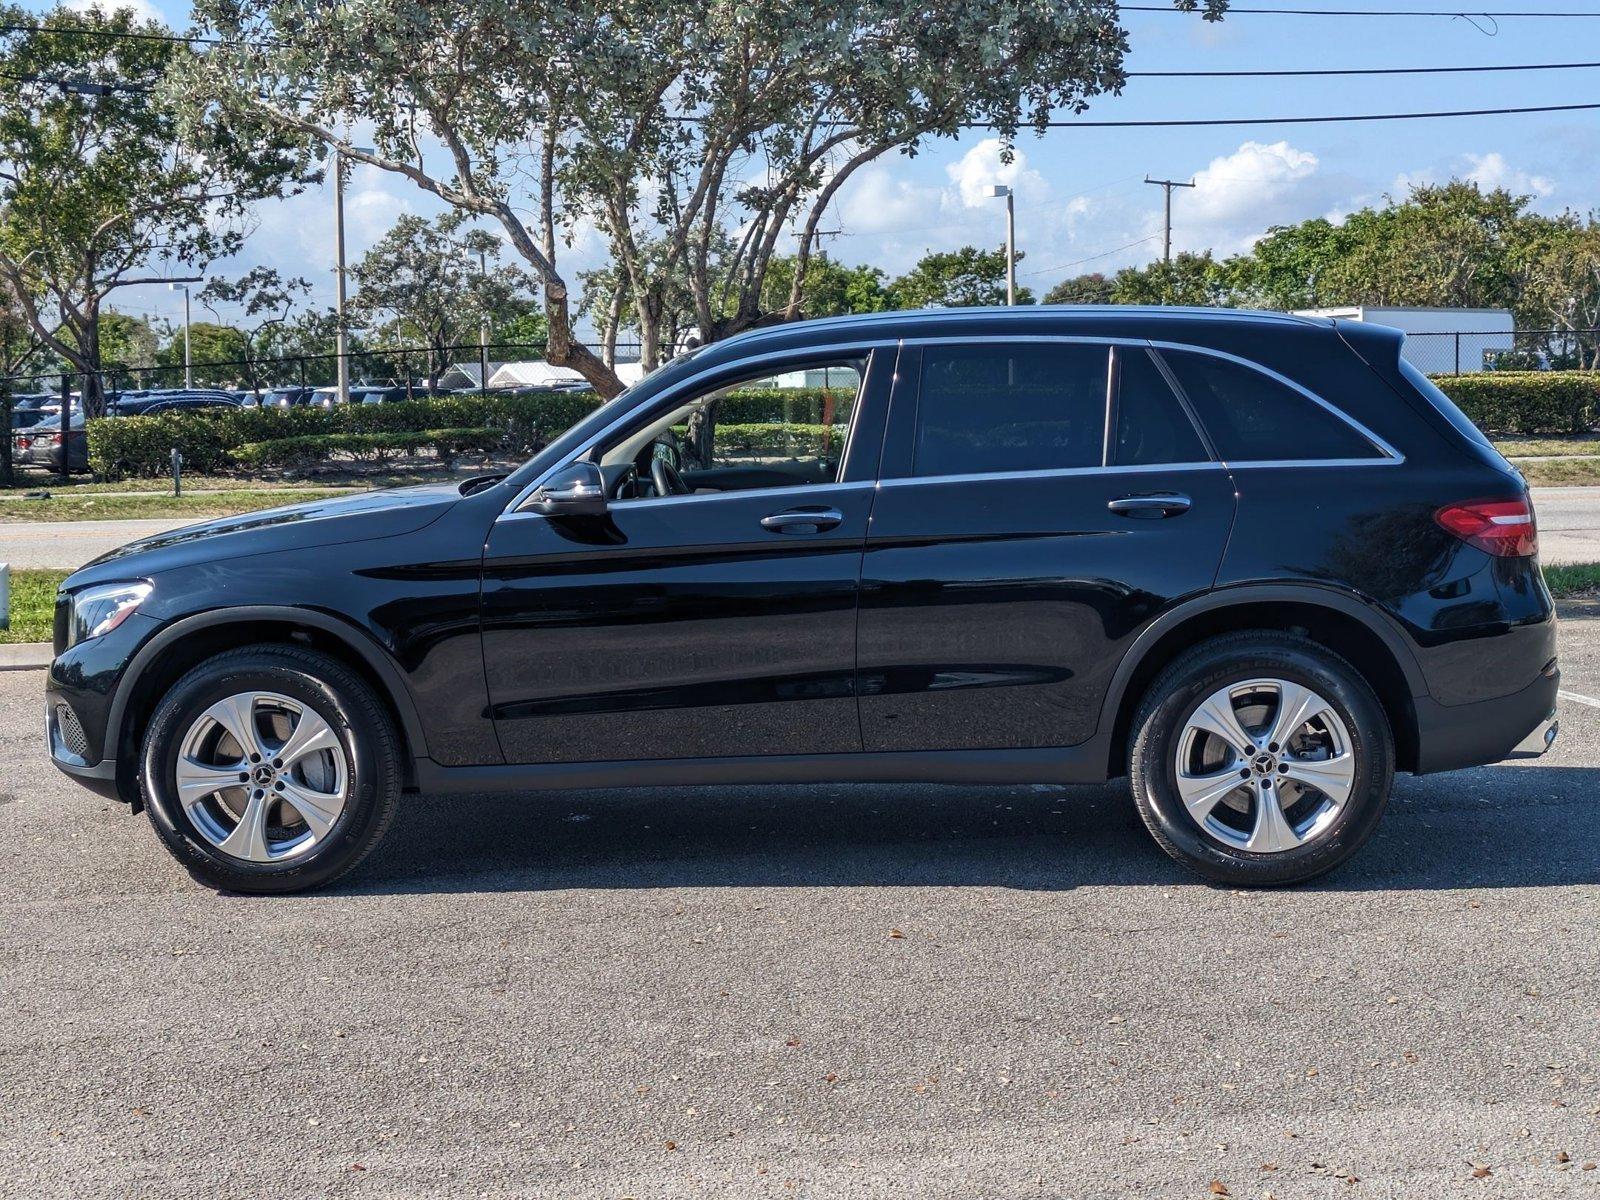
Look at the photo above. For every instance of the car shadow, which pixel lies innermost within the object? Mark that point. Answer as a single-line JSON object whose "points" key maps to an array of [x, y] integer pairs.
{"points": [[1503, 826]]}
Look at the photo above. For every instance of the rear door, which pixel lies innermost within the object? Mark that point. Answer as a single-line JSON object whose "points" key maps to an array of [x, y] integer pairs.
{"points": [[1042, 500]]}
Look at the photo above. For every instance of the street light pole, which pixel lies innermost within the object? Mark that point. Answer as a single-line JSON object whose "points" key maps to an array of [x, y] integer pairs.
{"points": [[341, 332], [188, 360], [483, 329], [1001, 189]]}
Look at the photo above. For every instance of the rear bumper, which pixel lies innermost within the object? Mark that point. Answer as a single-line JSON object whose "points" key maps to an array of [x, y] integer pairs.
{"points": [[1521, 725]]}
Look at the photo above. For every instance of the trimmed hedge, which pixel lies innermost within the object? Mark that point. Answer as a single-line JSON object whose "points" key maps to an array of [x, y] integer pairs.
{"points": [[210, 439], [1527, 401], [309, 449]]}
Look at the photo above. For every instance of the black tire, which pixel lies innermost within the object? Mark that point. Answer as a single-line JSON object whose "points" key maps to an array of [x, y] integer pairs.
{"points": [[1201, 671], [342, 699]]}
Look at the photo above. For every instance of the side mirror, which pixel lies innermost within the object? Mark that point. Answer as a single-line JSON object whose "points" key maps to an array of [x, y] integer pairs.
{"points": [[576, 490]]}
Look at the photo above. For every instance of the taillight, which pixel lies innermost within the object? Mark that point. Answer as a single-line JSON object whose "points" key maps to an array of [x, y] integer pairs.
{"points": [[1504, 528], [55, 439], [23, 443]]}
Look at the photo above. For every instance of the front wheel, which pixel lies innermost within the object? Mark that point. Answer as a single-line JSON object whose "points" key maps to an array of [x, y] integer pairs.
{"points": [[1261, 758], [270, 769]]}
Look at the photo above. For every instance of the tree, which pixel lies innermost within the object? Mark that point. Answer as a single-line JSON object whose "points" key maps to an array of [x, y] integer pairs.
{"points": [[127, 342], [436, 282], [664, 125], [1562, 286], [98, 190], [1081, 289], [1189, 278], [831, 289], [266, 300], [218, 354], [956, 279]]}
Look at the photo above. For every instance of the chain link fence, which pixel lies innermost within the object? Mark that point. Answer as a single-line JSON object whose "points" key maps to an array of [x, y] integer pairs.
{"points": [[1467, 352]]}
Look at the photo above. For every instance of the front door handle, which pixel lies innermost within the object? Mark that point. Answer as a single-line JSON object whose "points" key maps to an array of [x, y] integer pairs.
{"points": [[803, 520], [1152, 507]]}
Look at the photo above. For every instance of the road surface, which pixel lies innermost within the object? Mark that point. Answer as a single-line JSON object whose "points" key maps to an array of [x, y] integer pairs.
{"points": [[1569, 532], [812, 992]]}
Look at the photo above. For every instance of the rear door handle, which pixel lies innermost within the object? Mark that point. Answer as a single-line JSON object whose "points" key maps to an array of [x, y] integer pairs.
{"points": [[803, 520], [1153, 507]]}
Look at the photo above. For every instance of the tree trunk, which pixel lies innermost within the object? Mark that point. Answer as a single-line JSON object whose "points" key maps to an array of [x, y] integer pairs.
{"points": [[608, 348], [648, 308], [562, 351]]}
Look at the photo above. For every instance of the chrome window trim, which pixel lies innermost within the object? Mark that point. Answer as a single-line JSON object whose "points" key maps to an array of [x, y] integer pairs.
{"points": [[799, 489], [676, 393], [1052, 473], [1390, 455]]}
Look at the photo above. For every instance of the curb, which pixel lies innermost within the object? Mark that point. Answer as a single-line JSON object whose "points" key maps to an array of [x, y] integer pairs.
{"points": [[25, 656]]}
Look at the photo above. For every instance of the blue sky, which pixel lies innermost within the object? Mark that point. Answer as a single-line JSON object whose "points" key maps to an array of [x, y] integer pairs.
{"points": [[1081, 202]]}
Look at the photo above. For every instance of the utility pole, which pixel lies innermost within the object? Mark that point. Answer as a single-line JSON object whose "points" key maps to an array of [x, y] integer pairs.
{"points": [[1166, 186]]}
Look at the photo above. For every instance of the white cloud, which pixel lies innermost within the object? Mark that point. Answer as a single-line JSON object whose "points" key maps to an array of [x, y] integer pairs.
{"points": [[976, 171], [143, 10], [1238, 196], [1491, 171]]}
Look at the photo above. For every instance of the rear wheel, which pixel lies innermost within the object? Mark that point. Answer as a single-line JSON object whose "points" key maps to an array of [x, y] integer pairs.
{"points": [[1261, 758], [270, 769]]}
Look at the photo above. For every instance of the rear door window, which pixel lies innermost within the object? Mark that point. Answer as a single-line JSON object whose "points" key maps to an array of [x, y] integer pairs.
{"points": [[1252, 417], [1019, 407], [1151, 427]]}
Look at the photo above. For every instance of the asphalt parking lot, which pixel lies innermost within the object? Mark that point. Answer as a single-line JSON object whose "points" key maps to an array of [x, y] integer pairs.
{"points": [[811, 992]]}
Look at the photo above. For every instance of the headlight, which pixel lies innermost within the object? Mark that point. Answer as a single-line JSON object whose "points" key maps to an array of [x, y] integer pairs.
{"points": [[100, 609]]}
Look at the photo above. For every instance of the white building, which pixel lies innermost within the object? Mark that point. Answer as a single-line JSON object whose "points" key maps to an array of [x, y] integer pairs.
{"points": [[1439, 341], [542, 374]]}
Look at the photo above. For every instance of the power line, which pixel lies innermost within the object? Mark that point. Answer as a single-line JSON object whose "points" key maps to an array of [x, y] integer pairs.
{"points": [[1317, 120], [1317, 71], [1362, 12], [1078, 262]]}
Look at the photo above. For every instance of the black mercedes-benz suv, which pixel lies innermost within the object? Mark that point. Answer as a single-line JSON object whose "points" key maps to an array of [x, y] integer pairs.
{"points": [[1257, 563]]}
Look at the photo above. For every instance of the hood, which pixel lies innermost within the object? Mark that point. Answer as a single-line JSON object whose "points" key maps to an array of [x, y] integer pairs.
{"points": [[313, 523]]}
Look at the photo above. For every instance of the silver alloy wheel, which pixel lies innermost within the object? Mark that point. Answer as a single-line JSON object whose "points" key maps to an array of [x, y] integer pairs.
{"points": [[1265, 765], [262, 776]]}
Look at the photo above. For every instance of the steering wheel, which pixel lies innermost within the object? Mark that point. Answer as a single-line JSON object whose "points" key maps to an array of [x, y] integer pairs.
{"points": [[666, 478]]}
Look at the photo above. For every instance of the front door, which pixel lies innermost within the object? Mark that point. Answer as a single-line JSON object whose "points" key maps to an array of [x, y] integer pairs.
{"points": [[711, 611], [1041, 502]]}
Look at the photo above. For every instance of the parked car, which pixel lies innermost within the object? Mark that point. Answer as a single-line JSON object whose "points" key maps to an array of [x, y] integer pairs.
{"points": [[187, 402], [1254, 562], [29, 408], [154, 400], [285, 397], [42, 444]]}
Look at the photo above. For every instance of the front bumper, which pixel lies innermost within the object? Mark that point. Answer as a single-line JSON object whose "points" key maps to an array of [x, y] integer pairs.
{"points": [[70, 755]]}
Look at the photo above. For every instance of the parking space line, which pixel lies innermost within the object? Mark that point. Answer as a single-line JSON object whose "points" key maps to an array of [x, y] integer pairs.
{"points": [[1589, 700]]}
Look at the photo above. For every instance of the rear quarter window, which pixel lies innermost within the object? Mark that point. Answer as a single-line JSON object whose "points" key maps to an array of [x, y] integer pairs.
{"points": [[1252, 417]]}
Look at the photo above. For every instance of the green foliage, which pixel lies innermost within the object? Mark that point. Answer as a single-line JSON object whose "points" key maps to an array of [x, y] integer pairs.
{"points": [[805, 440], [1526, 402], [956, 279], [123, 447], [1093, 288], [308, 450], [1194, 279], [830, 288], [208, 343], [435, 283], [103, 191]]}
